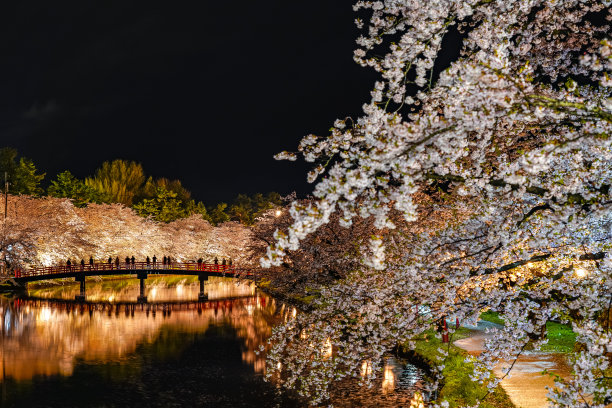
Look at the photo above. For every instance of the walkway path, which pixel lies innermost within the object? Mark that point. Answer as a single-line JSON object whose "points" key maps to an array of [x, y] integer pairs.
{"points": [[525, 385]]}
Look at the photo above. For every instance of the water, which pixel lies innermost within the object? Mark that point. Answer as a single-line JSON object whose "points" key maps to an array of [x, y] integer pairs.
{"points": [[172, 352]]}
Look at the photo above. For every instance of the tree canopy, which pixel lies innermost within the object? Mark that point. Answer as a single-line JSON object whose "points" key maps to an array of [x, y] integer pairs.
{"points": [[22, 175], [499, 166]]}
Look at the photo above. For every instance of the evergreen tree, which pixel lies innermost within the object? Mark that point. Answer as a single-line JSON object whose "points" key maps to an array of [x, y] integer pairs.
{"points": [[67, 185], [22, 175], [164, 207]]}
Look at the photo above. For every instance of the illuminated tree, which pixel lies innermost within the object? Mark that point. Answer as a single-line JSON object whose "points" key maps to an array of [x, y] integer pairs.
{"points": [[515, 137], [119, 181]]}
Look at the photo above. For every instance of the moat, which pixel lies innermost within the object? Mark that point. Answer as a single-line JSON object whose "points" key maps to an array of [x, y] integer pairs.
{"points": [[173, 351]]}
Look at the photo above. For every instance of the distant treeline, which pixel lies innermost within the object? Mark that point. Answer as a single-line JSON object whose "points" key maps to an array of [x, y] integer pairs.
{"points": [[125, 182]]}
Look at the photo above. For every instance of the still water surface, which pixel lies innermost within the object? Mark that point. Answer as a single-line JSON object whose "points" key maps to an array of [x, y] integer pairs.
{"points": [[171, 352]]}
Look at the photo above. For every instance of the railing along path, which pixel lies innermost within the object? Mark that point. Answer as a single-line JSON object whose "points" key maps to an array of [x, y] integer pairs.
{"points": [[191, 268]]}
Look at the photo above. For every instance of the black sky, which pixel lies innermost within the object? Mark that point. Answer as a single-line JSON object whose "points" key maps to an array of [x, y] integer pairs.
{"points": [[203, 91]]}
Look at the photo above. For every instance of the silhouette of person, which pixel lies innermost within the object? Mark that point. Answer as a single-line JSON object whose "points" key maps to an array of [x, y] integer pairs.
{"points": [[91, 260], [117, 262], [230, 262], [148, 260], [133, 259], [127, 260], [223, 262], [110, 259], [216, 261], [165, 260], [68, 264], [154, 259]]}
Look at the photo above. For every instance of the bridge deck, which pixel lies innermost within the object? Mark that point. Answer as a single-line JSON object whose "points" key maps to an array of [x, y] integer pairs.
{"points": [[123, 268]]}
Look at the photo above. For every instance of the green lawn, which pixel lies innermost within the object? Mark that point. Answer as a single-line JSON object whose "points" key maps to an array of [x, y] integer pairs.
{"points": [[458, 388], [561, 338]]}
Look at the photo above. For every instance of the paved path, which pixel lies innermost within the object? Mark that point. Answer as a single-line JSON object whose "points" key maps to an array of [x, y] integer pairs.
{"points": [[525, 384]]}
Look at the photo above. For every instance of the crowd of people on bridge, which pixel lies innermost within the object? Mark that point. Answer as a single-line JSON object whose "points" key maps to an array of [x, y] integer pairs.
{"points": [[130, 262]]}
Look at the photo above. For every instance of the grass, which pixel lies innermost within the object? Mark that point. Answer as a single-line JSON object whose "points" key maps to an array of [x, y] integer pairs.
{"points": [[561, 338], [458, 388]]}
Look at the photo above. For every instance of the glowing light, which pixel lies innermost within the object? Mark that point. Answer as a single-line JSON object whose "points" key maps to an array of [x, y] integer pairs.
{"points": [[580, 272], [278, 213], [388, 384], [366, 368], [327, 349], [45, 314]]}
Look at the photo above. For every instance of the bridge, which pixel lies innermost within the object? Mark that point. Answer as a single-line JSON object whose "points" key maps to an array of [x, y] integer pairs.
{"points": [[140, 269]]}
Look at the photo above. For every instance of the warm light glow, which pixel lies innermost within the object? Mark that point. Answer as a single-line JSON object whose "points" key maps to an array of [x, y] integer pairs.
{"points": [[278, 213], [580, 272], [366, 368], [327, 349], [388, 384], [45, 314]]}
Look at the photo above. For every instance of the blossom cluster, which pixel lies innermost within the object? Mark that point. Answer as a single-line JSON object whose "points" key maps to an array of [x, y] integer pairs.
{"points": [[501, 167]]}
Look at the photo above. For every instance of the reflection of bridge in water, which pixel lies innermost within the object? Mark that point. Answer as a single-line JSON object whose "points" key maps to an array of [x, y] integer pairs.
{"points": [[141, 269], [50, 336], [129, 308]]}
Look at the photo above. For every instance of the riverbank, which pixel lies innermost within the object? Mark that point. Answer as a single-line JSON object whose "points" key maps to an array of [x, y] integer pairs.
{"points": [[457, 388]]}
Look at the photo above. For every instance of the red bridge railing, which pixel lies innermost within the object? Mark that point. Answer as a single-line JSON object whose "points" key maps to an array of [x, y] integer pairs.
{"points": [[222, 270]]}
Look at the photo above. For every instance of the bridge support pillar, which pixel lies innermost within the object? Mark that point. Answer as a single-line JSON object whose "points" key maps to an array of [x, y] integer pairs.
{"points": [[81, 296], [142, 276], [202, 296]]}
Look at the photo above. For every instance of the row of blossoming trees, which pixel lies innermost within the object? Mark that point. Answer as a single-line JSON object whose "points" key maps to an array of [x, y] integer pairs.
{"points": [[499, 168], [48, 231]]}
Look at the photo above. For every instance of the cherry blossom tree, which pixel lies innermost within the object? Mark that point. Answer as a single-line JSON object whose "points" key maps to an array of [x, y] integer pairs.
{"points": [[514, 135]]}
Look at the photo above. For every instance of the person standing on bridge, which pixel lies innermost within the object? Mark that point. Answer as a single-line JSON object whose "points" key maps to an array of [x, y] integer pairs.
{"points": [[91, 262], [133, 260], [165, 260], [148, 260], [117, 262], [82, 264], [199, 264], [127, 262], [68, 264], [154, 260]]}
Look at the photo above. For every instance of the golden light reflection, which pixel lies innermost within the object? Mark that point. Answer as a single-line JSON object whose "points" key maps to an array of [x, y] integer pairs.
{"points": [[47, 336], [388, 383]]}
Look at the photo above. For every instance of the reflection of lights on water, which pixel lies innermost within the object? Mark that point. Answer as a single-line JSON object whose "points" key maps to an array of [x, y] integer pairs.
{"points": [[45, 314], [366, 368], [388, 383], [249, 309], [153, 293], [111, 298], [580, 272], [179, 289], [294, 312]]}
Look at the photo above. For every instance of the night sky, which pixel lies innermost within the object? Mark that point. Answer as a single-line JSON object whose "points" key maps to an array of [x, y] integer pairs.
{"points": [[202, 91]]}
